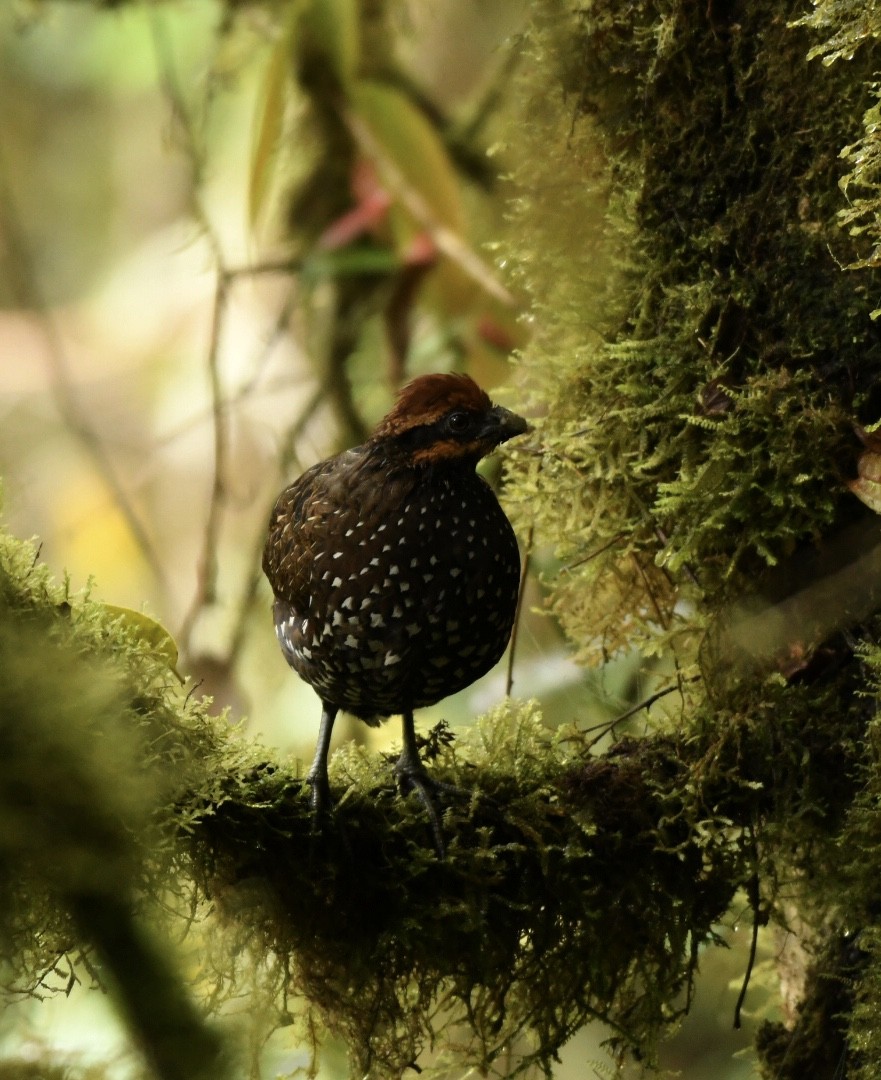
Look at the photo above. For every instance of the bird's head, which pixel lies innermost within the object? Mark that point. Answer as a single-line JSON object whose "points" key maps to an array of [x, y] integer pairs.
{"points": [[445, 419]]}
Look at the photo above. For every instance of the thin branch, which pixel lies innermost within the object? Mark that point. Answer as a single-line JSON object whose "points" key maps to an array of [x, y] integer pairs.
{"points": [[754, 898], [524, 571], [221, 442], [206, 571], [662, 619], [278, 331], [595, 554], [276, 266], [608, 726], [206, 567], [75, 420], [28, 295], [445, 240], [188, 141], [255, 575]]}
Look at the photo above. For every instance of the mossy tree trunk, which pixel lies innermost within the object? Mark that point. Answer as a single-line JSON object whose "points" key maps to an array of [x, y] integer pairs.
{"points": [[706, 372]]}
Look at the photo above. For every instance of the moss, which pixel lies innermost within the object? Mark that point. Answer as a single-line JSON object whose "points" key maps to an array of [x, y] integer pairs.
{"points": [[704, 345], [703, 433], [128, 794], [91, 751], [534, 923], [698, 362], [577, 886]]}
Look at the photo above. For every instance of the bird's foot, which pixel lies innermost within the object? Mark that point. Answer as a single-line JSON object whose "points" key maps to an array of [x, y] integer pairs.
{"points": [[415, 777], [419, 781]]}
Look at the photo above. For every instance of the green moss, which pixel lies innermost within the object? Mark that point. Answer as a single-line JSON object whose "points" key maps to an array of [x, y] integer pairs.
{"points": [[93, 748], [863, 1032], [698, 361], [124, 793], [698, 429], [535, 922], [851, 27], [576, 886], [704, 345]]}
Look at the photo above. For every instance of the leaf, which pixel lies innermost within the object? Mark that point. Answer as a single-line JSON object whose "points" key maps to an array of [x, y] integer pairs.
{"points": [[152, 633], [349, 262], [867, 486], [416, 169], [268, 124], [411, 152], [867, 491], [333, 32]]}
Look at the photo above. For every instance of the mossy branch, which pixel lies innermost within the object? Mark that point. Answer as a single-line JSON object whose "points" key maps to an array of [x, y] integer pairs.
{"points": [[91, 748], [576, 885]]}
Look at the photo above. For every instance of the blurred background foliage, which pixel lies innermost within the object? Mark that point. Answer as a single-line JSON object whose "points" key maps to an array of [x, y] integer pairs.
{"points": [[149, 151], [228, 232]]}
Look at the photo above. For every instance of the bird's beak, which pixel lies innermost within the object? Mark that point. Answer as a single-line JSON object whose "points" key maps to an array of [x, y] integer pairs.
{"points": [[501, 425]]}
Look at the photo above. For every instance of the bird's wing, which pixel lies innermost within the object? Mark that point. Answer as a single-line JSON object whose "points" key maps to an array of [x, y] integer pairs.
{"points": [[308, 517]]}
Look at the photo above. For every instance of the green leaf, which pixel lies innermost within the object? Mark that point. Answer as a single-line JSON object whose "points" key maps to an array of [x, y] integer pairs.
{"points": [[151, 632], [268, 126], [410, 146], [350, 262], [333, 32]]}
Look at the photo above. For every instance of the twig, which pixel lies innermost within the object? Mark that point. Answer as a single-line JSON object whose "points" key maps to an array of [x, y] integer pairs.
{"points": [[189, 144], [524, 571], [662, 619], [595, 554], [206, 567], [609, 725], [66, 401], [250, 386], [754, 898], [206, 579], [192, 691], [272, 266], [239, 632], [278, 330]]}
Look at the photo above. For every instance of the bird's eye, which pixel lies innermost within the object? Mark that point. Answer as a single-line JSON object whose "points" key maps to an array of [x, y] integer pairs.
{"points": [[458, 422]]}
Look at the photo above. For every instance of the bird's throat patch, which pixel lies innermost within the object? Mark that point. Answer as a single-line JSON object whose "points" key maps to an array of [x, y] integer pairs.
{"points": [[448, 450]]}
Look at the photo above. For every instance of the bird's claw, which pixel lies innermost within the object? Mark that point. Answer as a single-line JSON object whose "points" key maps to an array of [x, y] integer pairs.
{"points": [[422, 785], [416, 778]]}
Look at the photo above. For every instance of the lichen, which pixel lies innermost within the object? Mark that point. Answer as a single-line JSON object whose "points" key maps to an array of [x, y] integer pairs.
{"points": [[95, 750]]}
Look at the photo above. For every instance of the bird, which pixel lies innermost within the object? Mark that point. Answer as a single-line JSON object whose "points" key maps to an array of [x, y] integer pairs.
{"points": [[395, 571]]}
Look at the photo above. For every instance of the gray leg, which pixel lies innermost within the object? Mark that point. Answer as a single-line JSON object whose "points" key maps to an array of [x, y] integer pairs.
{"points": [[409, 763], [317, 775], [412, 776]]}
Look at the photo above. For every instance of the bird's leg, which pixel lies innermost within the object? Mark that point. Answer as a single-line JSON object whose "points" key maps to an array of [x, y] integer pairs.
{"points": [[412, 776], [316, 778], [409, 764]]}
